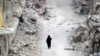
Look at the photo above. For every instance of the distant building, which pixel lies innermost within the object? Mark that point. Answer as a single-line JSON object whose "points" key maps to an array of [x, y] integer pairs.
{"points": [[97, 6], [93, 5]]}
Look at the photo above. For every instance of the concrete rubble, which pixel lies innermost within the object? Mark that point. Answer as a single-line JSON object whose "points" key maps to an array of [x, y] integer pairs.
{"points": [[25, 39]]}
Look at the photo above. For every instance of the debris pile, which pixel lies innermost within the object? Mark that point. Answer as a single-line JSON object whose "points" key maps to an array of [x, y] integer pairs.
{"points": [[86, 7], [87, 40], [82, 7], [25, 42], [24, 45], [87, 36]]}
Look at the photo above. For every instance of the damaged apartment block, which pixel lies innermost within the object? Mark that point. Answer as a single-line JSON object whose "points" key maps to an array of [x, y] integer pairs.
{"points": [[8, 26]]}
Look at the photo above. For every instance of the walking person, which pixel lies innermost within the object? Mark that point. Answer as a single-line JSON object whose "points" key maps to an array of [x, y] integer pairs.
{"points": [[48, 41]]}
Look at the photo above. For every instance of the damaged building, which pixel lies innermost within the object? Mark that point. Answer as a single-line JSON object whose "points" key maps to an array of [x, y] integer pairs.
{"points": [[17, 16], [88, 6]]}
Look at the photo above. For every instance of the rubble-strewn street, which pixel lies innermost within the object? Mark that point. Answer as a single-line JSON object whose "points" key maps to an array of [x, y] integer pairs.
{"points": [[60, 27], [70, 24]]}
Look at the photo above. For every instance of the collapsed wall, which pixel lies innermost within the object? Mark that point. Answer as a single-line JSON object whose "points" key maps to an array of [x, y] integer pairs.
{"points": [[87, 36]]}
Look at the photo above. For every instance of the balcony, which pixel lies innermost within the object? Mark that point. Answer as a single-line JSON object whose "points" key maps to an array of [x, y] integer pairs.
{"points": [[8, 26]]}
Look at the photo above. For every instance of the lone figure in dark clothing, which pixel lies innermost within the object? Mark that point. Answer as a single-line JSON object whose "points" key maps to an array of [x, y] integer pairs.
{"points": [[48, 41]]}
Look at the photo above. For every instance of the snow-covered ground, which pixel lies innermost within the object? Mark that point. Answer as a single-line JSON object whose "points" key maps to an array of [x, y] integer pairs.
{"points": [[60, 28]]}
